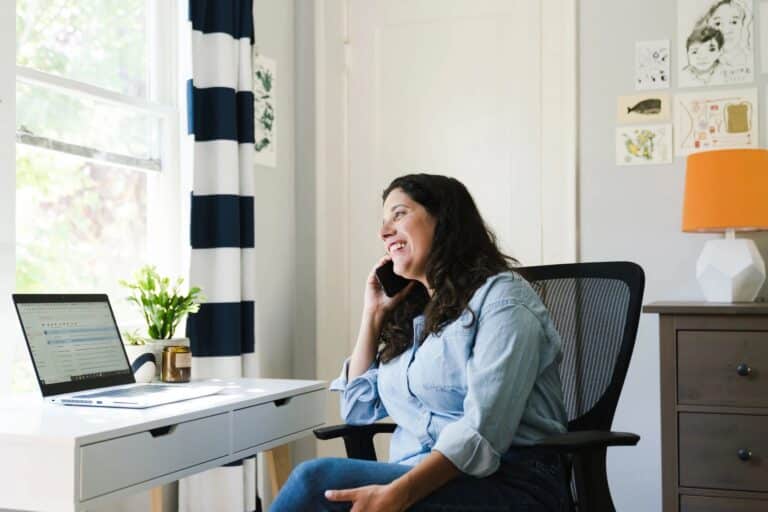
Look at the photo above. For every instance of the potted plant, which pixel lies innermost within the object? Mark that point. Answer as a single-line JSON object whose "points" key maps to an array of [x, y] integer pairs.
{"points": [[162, 305]]}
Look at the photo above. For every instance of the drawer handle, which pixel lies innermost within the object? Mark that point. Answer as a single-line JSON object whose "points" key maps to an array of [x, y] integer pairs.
{"points": [[162, 431], [744, 454], [743, 369], [282, 401]]}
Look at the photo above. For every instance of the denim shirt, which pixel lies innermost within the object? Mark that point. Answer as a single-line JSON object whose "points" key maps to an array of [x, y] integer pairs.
{"points": [[472, 391]]}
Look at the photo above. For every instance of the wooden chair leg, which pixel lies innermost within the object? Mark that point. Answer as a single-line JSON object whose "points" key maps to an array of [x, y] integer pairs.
{"points": [[156, 499], [279, 466]]}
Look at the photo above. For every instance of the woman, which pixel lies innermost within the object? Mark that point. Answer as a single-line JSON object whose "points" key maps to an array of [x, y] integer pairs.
{"points": [[464, 360]]}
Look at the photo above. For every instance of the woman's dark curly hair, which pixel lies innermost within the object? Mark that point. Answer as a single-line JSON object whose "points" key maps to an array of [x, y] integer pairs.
{"points": [[463, 255]]}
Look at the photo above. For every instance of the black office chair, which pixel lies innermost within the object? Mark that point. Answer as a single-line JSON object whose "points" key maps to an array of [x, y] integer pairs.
{"points": [[596, 309]]}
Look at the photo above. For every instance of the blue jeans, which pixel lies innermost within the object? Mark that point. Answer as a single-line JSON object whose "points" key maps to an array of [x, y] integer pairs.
{"points": [[528, 480]]}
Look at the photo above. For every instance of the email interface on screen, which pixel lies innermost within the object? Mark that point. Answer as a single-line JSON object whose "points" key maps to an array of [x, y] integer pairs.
{"points": [[72, 341]]}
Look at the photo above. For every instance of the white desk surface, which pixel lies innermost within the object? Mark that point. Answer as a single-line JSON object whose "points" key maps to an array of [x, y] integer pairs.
{"points": [[29, 415], [58, 457]]}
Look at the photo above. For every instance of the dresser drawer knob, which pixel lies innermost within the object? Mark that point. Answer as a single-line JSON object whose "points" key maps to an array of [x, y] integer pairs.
{"points": [[744, 454], [743, 369]]}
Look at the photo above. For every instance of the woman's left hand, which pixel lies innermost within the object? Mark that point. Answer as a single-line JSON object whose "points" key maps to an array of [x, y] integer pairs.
{"points": [[371, 498]]}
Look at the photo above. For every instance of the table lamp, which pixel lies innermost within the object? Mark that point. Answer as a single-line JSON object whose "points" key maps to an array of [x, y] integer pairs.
{"points": [[727, 191]]}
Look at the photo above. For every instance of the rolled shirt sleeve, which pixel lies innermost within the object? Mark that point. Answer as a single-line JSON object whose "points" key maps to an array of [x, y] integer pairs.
{"points": [[359, 397], [501, 373]]}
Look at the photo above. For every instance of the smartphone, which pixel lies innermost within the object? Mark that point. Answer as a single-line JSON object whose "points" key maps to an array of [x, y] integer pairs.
{"points": [[391, 282]]}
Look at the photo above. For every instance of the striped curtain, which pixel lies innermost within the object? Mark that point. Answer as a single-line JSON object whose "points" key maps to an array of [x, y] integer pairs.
{"points": [[220, 117]]}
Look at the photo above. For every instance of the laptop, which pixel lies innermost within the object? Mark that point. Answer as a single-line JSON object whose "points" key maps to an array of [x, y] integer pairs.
{"points": [[79, 357]]}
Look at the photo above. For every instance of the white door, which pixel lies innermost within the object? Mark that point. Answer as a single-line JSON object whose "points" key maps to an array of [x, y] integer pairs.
{"points": [[461, 88], [449, 88]]}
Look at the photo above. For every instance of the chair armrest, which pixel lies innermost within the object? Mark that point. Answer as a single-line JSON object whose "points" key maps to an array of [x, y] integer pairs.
{"points": [[335, 431], [358, 439], [588, 440]]}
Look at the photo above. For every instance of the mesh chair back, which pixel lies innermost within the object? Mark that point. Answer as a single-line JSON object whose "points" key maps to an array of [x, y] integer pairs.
{"points": [[595, 308]]}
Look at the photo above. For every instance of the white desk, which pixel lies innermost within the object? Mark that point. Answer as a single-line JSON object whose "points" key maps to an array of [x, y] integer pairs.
{"points": [[64, 458]]}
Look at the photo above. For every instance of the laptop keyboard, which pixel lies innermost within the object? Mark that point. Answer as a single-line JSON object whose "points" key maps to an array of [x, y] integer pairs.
{"points": [[134, 391]]}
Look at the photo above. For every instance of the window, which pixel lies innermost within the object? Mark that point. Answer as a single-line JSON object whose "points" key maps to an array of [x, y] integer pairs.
{"points": [[97, 181]]}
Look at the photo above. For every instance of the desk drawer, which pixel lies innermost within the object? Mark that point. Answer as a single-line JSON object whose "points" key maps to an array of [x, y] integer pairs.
{"points": [[707, 504], [263, 423], [709, 451], [118, 463], [707, 368]]}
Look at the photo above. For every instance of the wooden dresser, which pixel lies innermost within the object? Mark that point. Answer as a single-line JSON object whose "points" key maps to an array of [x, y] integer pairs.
{"points": [[714, 406]]}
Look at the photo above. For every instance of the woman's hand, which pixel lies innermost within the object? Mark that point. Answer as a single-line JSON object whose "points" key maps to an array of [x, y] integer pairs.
{"points": [[376, 304], [371, 498]]}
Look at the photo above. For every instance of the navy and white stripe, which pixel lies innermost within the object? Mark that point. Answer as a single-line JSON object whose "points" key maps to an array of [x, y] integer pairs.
{"points": [[222, 234]]}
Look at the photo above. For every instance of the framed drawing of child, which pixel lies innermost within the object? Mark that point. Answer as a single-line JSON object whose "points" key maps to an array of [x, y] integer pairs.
{"points": [[716, 42]]}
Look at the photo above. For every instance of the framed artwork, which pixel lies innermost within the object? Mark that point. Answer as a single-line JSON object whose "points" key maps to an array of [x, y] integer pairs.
{"points": [[651, 65], [715, 42], [715, 120], [643, 108], [265, 108], [644, 145]]}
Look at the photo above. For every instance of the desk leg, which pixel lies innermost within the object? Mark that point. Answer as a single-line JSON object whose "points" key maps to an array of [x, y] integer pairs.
{"points": [[156, 499], [279, 466]]}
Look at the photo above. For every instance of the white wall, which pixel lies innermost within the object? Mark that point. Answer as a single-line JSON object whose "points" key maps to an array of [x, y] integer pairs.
{"points": [[633, 213], [275, 203], [332, 199], [305, 178]]}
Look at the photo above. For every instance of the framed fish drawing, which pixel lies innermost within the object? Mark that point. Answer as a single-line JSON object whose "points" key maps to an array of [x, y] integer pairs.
{"points": [[644, 145], [643, 108], [716, 120]]}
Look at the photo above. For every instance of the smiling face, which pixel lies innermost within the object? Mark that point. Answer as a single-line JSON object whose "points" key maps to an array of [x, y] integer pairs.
{"points": [[407, 231], [703, 55], [728, 19]]}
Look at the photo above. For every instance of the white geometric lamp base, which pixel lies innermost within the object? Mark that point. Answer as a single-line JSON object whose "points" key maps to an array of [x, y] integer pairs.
{"points": [[730, 270]]}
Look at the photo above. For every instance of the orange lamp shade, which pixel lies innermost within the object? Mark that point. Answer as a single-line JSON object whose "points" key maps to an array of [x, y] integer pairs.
{"points": [[726, 189]]}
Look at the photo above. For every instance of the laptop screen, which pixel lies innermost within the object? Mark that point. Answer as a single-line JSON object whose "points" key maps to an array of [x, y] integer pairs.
{"points": [[73, 341]]}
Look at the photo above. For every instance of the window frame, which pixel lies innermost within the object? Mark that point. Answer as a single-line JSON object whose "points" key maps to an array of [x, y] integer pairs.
{"points": [[164, 112], [7, 188], [165, 236]]}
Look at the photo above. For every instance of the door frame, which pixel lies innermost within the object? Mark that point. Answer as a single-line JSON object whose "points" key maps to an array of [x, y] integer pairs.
{"points": [[559, 173]]}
